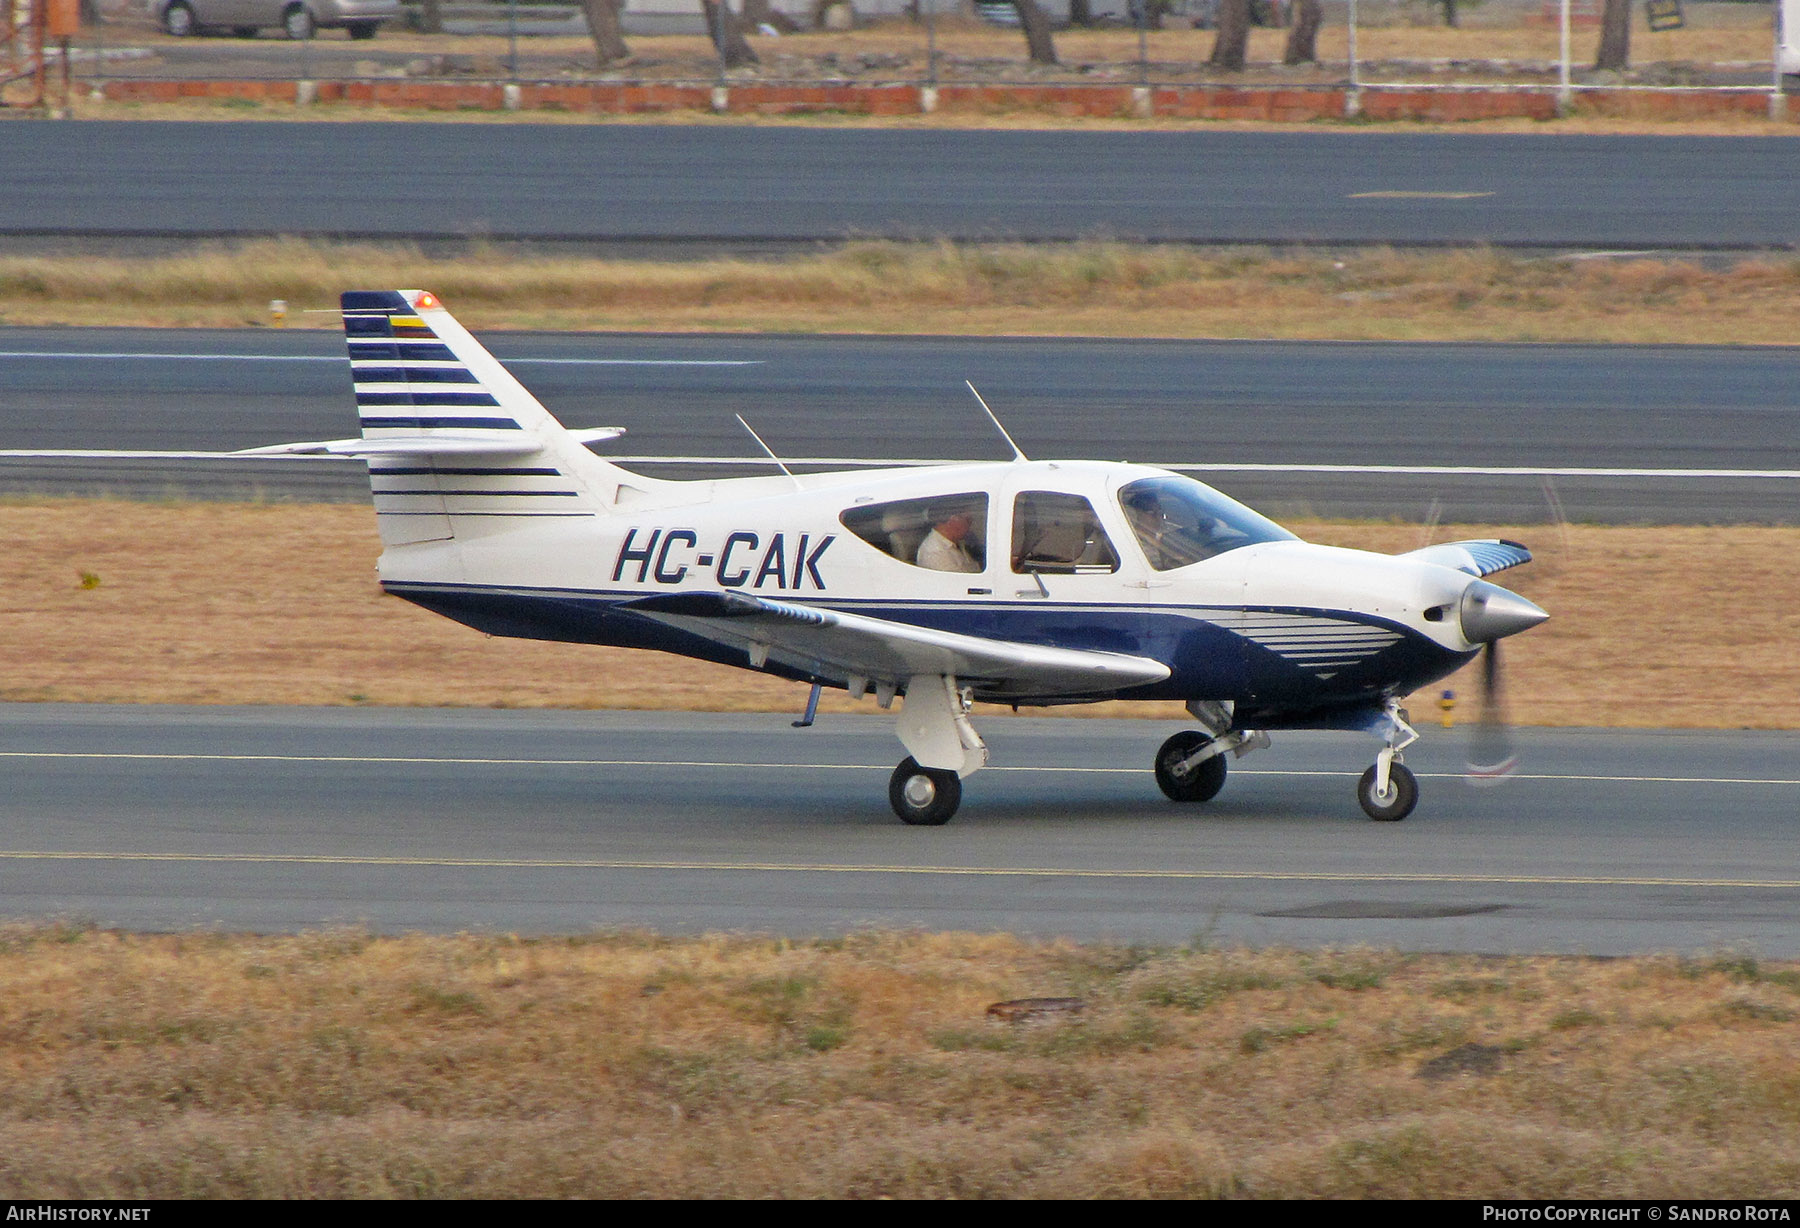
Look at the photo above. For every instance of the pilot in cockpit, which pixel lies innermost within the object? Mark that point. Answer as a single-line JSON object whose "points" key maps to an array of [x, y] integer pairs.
{"points": [[945, 548]]}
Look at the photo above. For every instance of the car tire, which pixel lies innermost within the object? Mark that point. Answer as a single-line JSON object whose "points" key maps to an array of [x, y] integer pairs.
{"points": [[363, 29], [297, 23], [178, 20]]}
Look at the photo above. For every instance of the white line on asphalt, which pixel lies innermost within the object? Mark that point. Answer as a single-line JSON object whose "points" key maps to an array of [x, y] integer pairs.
{"points": [[583, 362]]}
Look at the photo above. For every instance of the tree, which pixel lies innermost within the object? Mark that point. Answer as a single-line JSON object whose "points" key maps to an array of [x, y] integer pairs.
{"points": [[728, 34], [1234, 35], [1303, 39], [603, 24], [431, 17], [1615, 37], [1037, 31]]}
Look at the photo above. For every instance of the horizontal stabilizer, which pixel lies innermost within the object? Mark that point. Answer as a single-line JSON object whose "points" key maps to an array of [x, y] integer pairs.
{"points": [[445, 443], [1477, 558], [840, 645]]}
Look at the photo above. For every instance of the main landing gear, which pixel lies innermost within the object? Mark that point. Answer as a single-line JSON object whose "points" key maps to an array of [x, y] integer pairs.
{"points": [[926, 788], [1190, 767]]}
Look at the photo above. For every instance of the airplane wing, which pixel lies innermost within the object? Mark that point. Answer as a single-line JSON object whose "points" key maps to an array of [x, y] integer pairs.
{"points": [[840, 645], [1478, 558]]}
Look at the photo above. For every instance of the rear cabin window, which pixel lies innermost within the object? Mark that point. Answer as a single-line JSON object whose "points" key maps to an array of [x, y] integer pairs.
{"points": [[1059, 533], [944, 533]]}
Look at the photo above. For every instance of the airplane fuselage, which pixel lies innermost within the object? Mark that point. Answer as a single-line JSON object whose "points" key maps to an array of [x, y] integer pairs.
{"points": [[1283, 628]]}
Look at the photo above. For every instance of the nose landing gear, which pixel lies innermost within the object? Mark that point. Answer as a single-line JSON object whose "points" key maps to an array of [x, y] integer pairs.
{"points": [[1388, 791]]}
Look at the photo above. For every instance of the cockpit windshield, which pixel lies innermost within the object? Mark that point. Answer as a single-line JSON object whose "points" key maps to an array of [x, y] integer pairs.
{"points": [[1179, 521]]}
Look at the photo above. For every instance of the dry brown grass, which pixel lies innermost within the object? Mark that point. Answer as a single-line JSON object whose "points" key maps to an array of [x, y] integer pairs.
{"points": [[1094, 288], [338, 1064], [221, 603]]}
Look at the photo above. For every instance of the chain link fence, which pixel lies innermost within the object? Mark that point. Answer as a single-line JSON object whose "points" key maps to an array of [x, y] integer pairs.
{"points": [[1359, 44]]}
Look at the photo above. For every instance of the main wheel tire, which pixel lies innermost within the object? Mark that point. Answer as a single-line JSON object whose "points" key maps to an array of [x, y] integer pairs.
{"points": [[922, 796], [1398, 802], [363, 29], [1200, 785], [178, 20], [297, 23]]}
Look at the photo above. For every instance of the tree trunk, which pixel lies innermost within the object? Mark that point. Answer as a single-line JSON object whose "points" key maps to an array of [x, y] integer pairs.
{"points": [[1303, 39], [727, 34], [1450, 13], [431, 17], [1234, 35], [1615, 37], [603, 24], [1037, 31], [1080, 14]]}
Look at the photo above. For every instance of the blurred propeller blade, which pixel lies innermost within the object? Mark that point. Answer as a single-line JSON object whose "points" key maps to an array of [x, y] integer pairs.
{"points": [[1491, 755]]}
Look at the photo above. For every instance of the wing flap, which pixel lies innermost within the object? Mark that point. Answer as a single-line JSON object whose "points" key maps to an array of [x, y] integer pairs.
{"points": [[1478, 558], [842, 645]]}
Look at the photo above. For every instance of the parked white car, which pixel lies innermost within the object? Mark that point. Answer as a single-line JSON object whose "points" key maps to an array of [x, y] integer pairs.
{"points": [[295, 18]]}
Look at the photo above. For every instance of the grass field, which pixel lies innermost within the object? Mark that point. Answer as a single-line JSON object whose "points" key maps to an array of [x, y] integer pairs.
{"points": [[339, 1064], [217, 603], [1093, 288]]}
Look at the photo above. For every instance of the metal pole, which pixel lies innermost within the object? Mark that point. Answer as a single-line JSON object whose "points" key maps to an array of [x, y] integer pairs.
{"points": [[1777, 102], [97, 85], [1353, 104], [931, 42], [1565, 95], [716, 15], [1143, 22], [512, 38]]}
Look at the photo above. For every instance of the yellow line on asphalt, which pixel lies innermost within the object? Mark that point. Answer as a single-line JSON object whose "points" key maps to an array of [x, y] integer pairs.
{"points": [[444, 761], [781, 867]]}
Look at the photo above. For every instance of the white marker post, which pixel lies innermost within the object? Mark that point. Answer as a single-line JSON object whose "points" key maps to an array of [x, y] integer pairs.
{"points": [[1565, 94], [1787, 54]]}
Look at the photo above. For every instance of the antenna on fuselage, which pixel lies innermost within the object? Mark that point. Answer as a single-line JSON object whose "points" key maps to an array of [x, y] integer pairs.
{"points": [[766, 448], [1017, 455]]}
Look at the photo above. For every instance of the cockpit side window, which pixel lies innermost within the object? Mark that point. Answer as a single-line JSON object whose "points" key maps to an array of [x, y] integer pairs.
{"points": [[943, 533], [1179, 521], [1059, 533]]}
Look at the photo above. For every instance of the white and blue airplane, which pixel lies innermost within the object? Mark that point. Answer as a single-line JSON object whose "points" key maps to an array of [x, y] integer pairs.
{"points": [[1026, 583]]}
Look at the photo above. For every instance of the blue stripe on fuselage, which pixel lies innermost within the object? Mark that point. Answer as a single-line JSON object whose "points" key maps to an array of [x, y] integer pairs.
{"points": [[1207, 660]]}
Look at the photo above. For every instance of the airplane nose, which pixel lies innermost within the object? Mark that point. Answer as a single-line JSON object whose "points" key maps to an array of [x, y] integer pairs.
{"points": [[1490, 612]]}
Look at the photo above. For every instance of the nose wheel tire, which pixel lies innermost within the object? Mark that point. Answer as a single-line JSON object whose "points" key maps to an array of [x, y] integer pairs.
{"points": [[1397, 802], [922, 796], [1200, 785]]}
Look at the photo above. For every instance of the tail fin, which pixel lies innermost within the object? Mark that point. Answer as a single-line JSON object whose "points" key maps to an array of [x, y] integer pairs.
{"points": [[451, 437]]}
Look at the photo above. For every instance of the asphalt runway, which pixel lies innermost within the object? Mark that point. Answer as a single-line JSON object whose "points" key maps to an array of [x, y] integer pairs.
{"points": [[1609, 842], [1625, 433], [735, 187]]}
